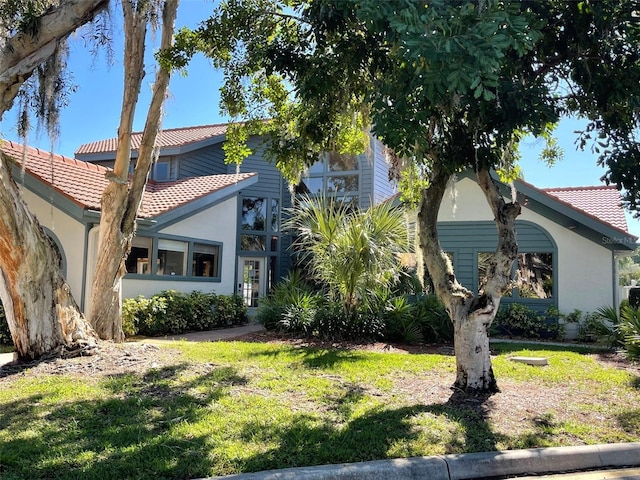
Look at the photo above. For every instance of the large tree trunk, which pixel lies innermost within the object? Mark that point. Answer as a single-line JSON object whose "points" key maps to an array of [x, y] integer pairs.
{"points": [[121, 200], [471, 314], [42, 315]]}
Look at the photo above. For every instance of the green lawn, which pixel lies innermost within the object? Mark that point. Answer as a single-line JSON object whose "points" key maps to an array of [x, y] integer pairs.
{"points": [[230, 407]]}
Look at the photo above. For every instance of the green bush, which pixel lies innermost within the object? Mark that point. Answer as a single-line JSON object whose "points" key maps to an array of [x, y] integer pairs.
{"points": [[415, 319], [172, 312], [5, 334], [434, 319], [517, 320], [629, 329]]}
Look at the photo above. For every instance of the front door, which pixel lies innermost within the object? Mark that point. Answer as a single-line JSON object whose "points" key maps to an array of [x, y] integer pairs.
{"points": [[251, 279]]}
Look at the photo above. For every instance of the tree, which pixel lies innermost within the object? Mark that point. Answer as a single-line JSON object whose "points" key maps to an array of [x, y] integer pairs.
{"points": [[348, 250], [121, 199], [42, 315], [447, 86]]}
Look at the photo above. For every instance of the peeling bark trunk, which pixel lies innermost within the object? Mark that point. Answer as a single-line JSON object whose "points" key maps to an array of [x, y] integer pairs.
{"points": [[121, 200], [42, 315], [471, 314]]}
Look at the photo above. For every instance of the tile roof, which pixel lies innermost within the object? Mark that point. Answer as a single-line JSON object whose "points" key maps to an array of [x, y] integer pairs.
{"points": [[602, 202], [172, 137], [84, 182]]}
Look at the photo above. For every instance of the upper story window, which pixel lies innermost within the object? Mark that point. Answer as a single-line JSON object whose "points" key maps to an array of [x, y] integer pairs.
{"points": [[254, 212], [334, 175], [260, 224], [161, 171]]}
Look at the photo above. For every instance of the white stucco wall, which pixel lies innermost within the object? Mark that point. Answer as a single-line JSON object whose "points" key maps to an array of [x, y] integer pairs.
{"points": [[69, 232], [585, 269], [219, 224]]}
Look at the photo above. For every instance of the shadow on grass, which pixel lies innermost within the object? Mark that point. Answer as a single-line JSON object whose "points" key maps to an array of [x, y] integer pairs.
{"points": [[130, 434], [380, 433], [629, 420], [312, 357]]}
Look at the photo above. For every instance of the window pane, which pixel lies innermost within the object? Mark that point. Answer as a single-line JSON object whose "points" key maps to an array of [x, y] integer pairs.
{"points": [[483, 265], [171, 257], [205, 260], [274, 243], [342, 183], [138, 259], [253, 243], [161, 171], [275, 209], [535, 275], [311, 185], [317, 167], [341, 163], [254, 212]]}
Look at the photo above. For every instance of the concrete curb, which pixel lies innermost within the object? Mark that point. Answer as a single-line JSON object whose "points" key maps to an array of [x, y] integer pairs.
{"points": [[466, 466]]}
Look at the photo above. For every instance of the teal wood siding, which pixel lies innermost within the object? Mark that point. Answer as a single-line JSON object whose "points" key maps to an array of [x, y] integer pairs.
{"points": [[466, 239], [204, 161], [270, 185], [366, 167], [383, 188]]}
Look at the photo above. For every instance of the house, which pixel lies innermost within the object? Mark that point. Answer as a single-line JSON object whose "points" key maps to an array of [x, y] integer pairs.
{"points": [[569, 242], [209, 226], [204, 225], [186, 237], [262, 250]]}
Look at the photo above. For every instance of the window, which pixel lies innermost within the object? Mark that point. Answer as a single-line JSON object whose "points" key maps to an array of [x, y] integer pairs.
{"points": [[534, 276], [205, 260], [254, 213], [342, 162], [275, 215], [139, 259], [253, 243], [171, 257], [342, 183]]}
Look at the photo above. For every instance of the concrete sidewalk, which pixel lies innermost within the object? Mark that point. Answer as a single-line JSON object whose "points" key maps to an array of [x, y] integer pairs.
{"points": [[594, 460]]}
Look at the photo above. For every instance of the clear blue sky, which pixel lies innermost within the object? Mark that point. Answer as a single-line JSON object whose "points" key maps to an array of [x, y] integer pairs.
{"points": [[94, 109]]}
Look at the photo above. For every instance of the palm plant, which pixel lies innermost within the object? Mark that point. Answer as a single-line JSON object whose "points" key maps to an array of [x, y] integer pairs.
{"points": [[349, 250]]}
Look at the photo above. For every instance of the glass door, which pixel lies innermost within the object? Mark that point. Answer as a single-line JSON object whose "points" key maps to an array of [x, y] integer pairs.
{"points": [[251, 280]]}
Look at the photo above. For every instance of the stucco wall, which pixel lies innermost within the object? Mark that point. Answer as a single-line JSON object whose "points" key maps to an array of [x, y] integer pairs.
{"points": [[585, 269], [218, 224], [69, 232]]}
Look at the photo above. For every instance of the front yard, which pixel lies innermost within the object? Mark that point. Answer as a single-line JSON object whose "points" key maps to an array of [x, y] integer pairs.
{"points": [[186, 410]]}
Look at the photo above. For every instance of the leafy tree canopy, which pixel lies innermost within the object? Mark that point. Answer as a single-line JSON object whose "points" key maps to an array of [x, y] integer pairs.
{"points": [[449, 84]]}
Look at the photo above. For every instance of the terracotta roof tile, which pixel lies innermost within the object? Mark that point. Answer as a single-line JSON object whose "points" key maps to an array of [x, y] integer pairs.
{"points": [[173, 137], [602, 202], [84, 182]]}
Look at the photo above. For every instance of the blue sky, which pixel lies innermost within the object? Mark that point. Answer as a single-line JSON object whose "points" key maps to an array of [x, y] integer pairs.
{"points": [[93, 111]]}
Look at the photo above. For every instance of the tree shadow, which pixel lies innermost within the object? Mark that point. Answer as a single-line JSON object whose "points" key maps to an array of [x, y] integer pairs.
{"points": [[127, 435], [629, 421], [380, 433], [314, 358]]}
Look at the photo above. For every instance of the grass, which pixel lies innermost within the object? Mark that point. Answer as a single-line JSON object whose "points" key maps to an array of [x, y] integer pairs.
{"points": [[231, 407]]}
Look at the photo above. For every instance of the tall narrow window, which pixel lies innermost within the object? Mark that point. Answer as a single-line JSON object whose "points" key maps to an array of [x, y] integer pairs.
{"points": [[205, 260], [171, 257], [254, 213]]}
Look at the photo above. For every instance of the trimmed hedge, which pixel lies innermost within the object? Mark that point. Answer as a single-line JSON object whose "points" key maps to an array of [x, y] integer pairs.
{"points": [[171, 312]]}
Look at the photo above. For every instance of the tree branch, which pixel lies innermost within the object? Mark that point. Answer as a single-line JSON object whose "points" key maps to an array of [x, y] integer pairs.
{"points": [[23, 52]]}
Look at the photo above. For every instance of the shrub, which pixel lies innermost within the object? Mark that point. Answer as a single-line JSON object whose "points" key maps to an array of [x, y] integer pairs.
{"points": [[601, 325], [5, 334], [434, 319], [172, 312], [629, 329], [517, 320]]}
